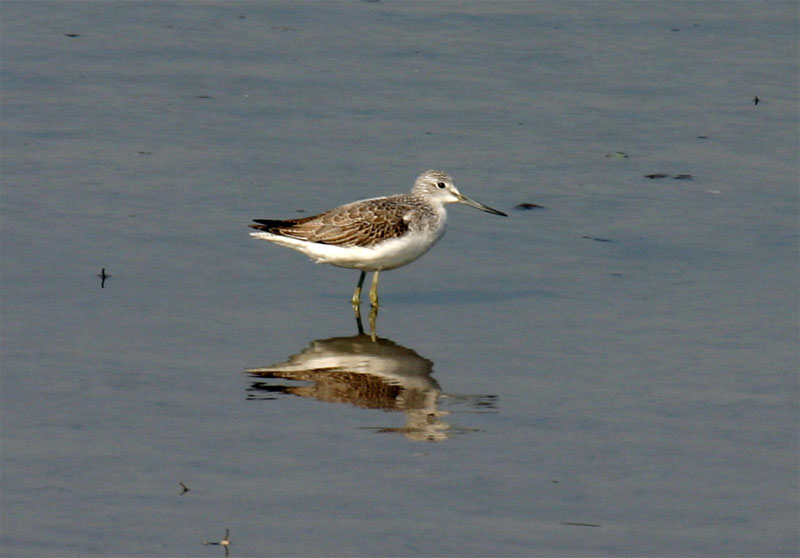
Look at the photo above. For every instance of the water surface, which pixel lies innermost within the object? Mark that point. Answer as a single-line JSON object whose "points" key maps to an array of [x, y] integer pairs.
{"points": [[614, 374]]}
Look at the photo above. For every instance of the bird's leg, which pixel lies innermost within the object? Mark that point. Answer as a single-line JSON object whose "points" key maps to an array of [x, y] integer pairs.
{"points": [[373, 317], [373, 292], [359, 324], [357, 295]]}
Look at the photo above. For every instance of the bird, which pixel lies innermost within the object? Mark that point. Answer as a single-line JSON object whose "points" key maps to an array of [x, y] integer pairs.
{"points": [[375, 234]]}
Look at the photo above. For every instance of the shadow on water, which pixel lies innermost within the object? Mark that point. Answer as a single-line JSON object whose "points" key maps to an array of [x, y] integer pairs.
{"points": [[371, 373]]}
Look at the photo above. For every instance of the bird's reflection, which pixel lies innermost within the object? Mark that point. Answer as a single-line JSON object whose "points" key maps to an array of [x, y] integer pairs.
{"points": [[371, 373]]}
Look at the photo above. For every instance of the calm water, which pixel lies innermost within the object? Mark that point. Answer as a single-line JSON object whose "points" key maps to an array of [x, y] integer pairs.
{"points": [[614, 374]]}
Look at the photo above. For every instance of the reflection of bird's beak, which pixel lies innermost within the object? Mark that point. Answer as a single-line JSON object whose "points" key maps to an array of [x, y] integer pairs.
{"points": [[465, 200]]}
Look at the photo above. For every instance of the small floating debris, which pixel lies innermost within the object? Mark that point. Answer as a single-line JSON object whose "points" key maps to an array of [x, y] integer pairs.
{"points": [[103, 276], [144, 153], [701, 137], [617, 155], [526, 206], [224, 542], [658, 175], [575, 524], [203, 97], [597, 238], [73, 35]]}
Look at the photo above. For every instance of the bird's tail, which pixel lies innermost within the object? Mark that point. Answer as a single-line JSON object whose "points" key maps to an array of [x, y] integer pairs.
{"points": [[270, 225]]}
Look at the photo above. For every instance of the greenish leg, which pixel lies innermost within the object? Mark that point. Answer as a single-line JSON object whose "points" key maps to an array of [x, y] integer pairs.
{"points": [[373, 292], [373, 317], [359, 324], [357, 295]]}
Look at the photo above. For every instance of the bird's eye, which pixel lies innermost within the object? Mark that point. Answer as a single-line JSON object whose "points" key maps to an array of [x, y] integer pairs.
{"points": [[441, 184]]}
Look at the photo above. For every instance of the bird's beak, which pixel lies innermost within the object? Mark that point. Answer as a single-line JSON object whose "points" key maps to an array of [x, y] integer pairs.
{"points": [[465, 200]]}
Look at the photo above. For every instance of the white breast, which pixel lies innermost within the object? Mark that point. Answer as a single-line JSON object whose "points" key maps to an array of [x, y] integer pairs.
{"points": [[389, 254]]}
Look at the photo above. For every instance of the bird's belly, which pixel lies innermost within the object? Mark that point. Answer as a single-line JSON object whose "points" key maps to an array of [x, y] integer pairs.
{"points": [[388, 254]]}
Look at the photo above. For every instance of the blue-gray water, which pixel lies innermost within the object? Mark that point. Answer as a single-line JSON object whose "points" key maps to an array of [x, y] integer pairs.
{"points": [[615, 374]]}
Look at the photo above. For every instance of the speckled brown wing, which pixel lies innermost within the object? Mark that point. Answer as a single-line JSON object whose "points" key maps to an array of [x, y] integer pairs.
{"points": [[360, 223]]}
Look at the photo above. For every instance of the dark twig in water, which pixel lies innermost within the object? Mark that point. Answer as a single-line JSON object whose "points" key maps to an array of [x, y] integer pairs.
{"points": [[573, 524], [596, 238]]}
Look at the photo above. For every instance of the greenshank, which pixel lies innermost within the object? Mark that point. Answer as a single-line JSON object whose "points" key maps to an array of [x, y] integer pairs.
{"points": [[375, 234]]}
